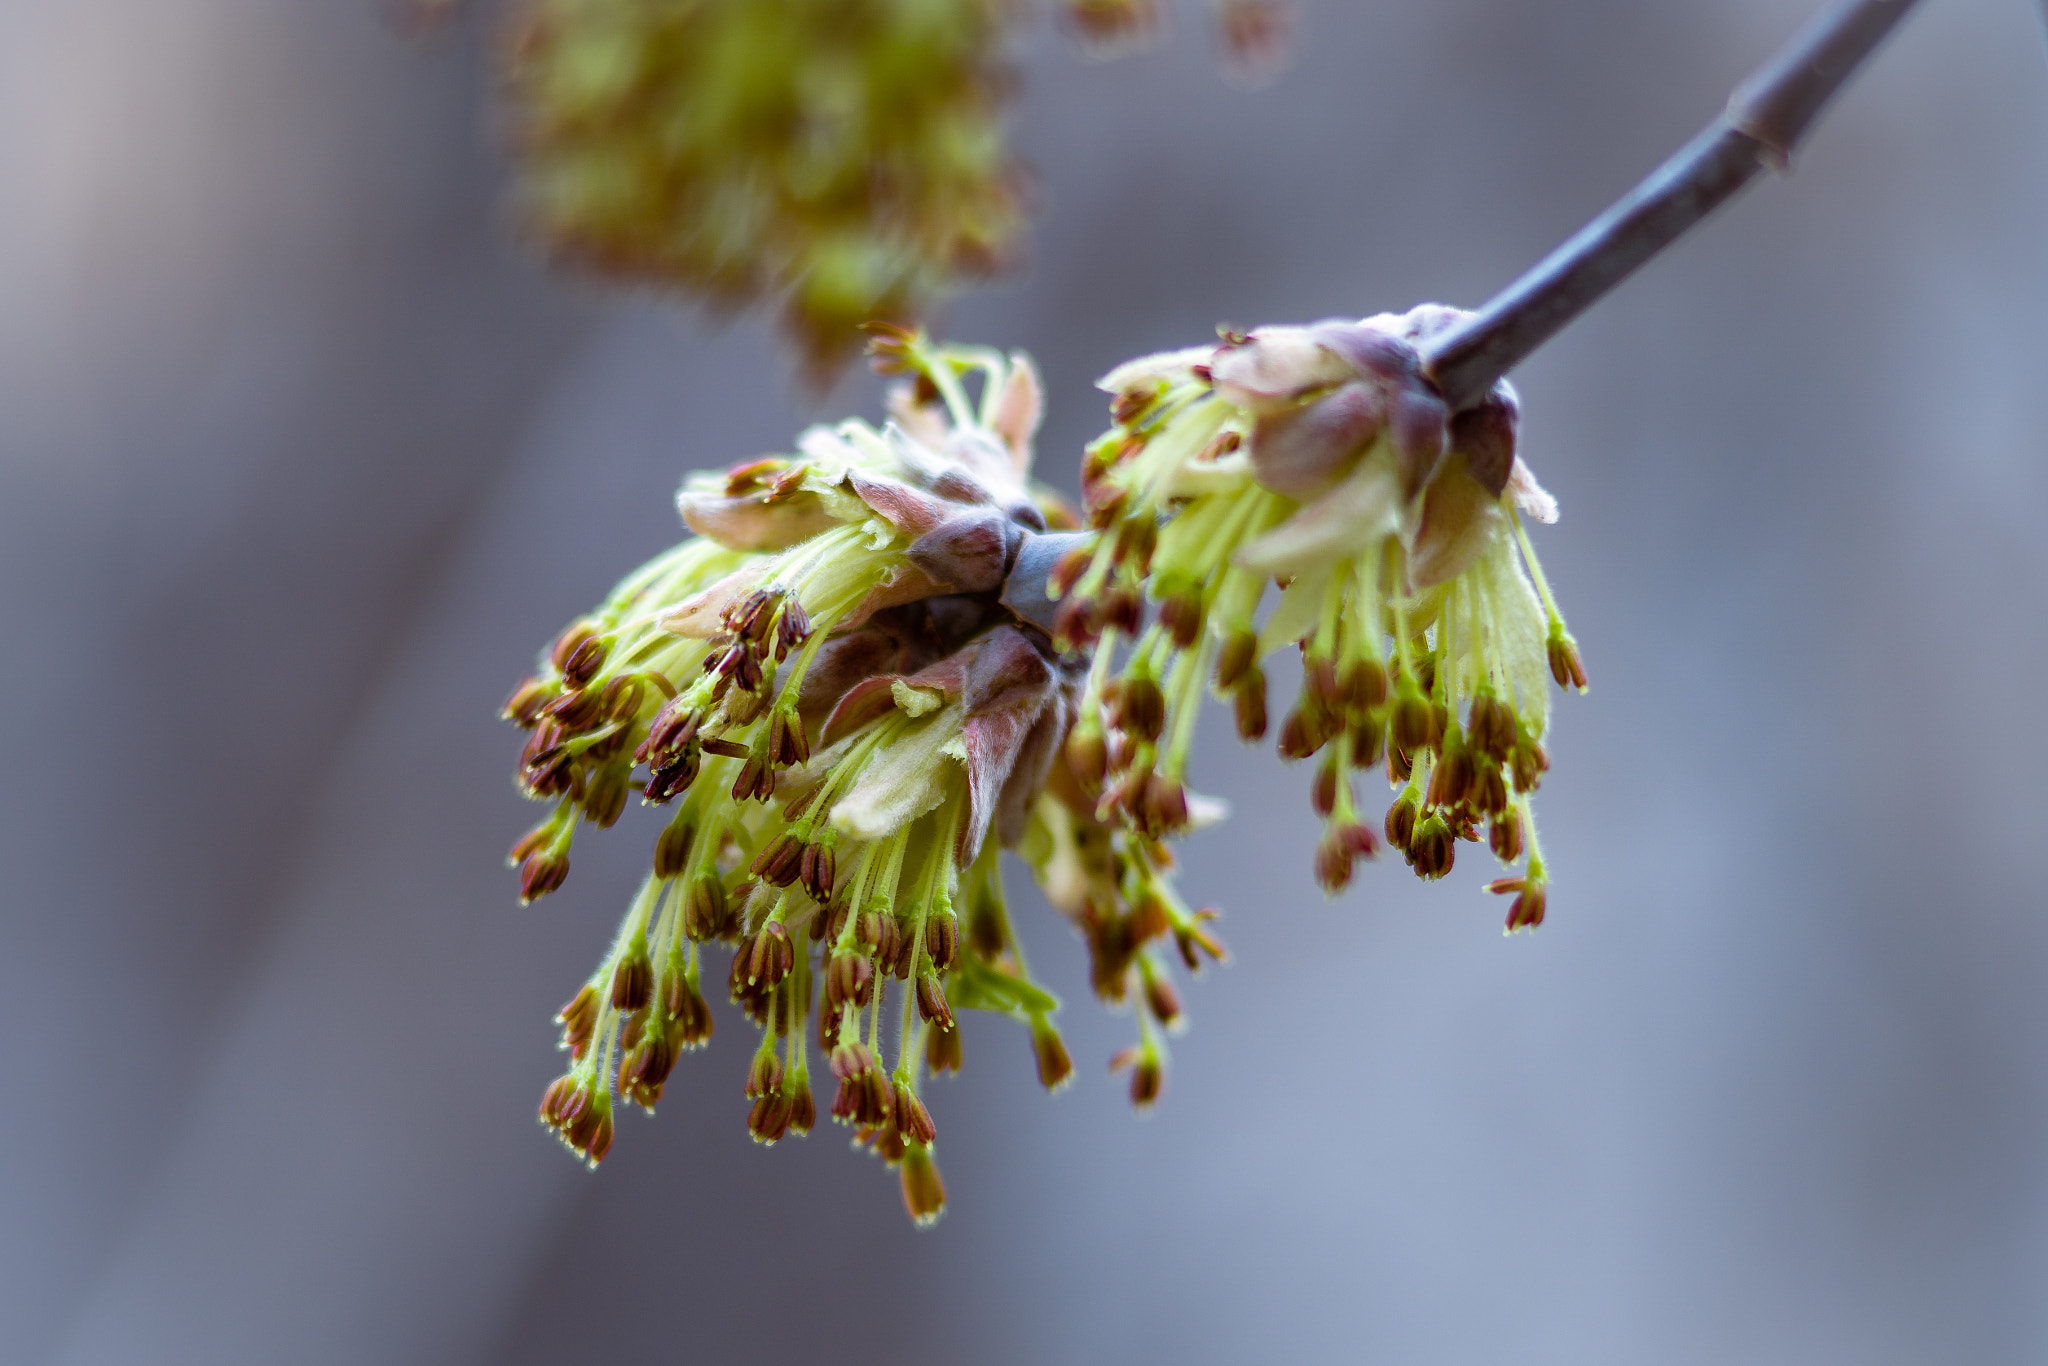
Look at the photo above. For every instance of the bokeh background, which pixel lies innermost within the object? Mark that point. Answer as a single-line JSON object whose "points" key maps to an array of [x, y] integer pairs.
{"points": [[301, 457]]}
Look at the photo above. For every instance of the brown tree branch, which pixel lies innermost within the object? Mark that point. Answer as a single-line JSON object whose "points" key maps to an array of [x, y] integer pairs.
{"points": [[1766, 117]]}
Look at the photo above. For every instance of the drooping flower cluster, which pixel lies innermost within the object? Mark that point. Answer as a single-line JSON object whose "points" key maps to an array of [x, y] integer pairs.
{"points": [[1319, 460], [827, 691], [885, 657], [846, 159]]}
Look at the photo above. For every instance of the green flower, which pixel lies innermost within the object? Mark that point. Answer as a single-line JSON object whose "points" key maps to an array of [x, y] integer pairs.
{"points": [[827, 692], [1318, 460]]}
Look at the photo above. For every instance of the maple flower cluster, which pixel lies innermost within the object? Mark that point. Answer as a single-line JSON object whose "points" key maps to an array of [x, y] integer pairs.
{"points": [[1319, 461], [826, 691], [889, 655]]}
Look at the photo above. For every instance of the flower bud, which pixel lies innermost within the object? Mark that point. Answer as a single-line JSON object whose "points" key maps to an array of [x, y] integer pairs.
{"points": [[1363, 687], [768, 1120], [1162, 999]]}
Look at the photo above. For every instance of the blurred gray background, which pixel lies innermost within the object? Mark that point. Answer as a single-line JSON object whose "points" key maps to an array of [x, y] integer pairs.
{"points": [[301, 459]]}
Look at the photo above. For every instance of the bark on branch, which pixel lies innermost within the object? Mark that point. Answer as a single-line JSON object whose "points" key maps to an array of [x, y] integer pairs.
{"points": [[1766, 118]]}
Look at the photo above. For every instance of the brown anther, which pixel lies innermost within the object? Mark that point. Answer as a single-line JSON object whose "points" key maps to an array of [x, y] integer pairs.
{"points": [[622, 698], [942, 939], [1141, 709], [1055, 1065], [942, 1051], [1148, 919], [1565, 665], [849, 980], [705, 911], [1148, 1079], [689, 1010], [584, 661], [1121, 608], [787, 743], [1319, 684], [1069, 568], [1181, 615], [1504, 836], [1130, 405], [1190, 937], [1400, 824], [1161, 999], [569, 642], [1248, 702], [985, 931], [673, 728], [1363, 687], [725, 749], [764, 1075], [1322, 790], [672, 778], [1452, 779], [756, 781], [932, 1007], [803, 1110], [564, 1097], [924, 1194], [541, 872], [1489, 792], [779, 864], [1237, 658], [1368, 742], [912, 1118], [1307, 729], [633, 979], [644, 1070], [1121, 751], [523, 707], [575, 710], [1400, 766], [1434, 848], [672, 849], [1075, 623], [818, 870], [1163, 808], [1413, 724], [1527, 765], [579, 1020], [792, 628], [771, 955], [768, 1120], [604, 798], [1341, 846], [1527, 912]]}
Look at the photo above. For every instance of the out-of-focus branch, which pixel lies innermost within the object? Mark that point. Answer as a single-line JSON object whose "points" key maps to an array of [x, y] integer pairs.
{"points": [[1766, 118]]}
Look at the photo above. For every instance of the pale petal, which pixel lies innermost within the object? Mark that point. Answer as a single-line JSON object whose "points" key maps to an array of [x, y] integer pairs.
{"points": [[1349, 518], [702, 615], [905, 778], [1529, 496], [1460, 520]]}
